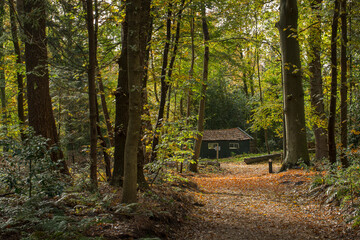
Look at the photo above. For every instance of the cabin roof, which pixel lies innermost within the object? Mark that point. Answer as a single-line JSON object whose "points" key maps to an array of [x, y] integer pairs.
{"points": [[232, 134]]}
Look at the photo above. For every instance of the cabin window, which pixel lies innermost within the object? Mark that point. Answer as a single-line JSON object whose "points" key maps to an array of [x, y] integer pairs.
{"points": [[233, 145], [212, 145]]}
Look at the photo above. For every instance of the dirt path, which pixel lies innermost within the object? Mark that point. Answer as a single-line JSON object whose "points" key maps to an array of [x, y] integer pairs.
{"points": [[246, 202]]}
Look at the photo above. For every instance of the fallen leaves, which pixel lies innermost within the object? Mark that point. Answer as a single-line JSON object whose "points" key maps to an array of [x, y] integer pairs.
{"points": [[246, 202]]}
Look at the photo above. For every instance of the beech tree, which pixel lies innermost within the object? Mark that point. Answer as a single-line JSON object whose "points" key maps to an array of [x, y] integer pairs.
{"points": [[334, 74], [92, 92], [201, 115], [2, 63], [138, 13], [164, 85], [344, 85], [121, 108], [296, 144], [316, 82]]}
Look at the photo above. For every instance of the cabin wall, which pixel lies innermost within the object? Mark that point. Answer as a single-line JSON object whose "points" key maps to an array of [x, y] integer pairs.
{"points": [[225, 151]]}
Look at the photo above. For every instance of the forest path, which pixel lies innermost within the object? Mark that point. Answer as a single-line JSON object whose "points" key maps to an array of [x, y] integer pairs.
{"points": [[246, 202]]}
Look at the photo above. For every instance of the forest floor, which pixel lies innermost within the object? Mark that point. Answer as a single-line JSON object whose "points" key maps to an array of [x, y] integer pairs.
{"points": [[234, 201], [246, 202]]}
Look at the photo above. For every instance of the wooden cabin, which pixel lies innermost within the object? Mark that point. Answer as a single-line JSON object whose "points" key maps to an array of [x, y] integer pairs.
{"points": [[232, 142]]}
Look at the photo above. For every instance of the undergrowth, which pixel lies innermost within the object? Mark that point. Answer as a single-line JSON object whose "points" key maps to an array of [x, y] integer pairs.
{"points": [[340, 186], [38, 202]]}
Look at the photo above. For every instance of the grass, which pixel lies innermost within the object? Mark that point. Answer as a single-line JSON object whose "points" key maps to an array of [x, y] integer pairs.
{"points": [[237, 158]]}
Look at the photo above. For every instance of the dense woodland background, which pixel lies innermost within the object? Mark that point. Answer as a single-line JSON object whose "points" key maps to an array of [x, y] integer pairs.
{"points": [[116, 91]]}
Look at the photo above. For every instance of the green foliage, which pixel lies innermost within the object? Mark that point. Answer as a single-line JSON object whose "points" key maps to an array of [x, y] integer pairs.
{"points": [[42, 218], [176, 144], [226, 104], [28, 168], [342, 185]]}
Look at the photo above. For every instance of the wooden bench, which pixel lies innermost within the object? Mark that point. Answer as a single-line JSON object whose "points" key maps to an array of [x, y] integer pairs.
{"points": [[262, 158]]}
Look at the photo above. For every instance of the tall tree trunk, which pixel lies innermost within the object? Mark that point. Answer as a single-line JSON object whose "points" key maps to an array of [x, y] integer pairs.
{"points": [[191, 75], [174, 53], [121, 109], [100, 82], [245, 76], [344, 85], [138, 12], [19, 76], [40, 111], [107, 159], [92, 93], [146, 123], [293, 90], [201, 118], [191, 70], [316, 90], [334, 73], [103, 142], [2, 66], [164, 87]]}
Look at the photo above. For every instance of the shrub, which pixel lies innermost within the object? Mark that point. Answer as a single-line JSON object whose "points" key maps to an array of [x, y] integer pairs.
{"points": [[27, 167]]}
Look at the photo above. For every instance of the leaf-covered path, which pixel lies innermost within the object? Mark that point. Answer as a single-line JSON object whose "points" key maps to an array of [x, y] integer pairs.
{"points": [[246, 202]]}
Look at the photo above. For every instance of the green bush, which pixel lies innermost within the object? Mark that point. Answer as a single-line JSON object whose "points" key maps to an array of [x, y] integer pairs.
{"points": [[342, 185], [27, 167]]}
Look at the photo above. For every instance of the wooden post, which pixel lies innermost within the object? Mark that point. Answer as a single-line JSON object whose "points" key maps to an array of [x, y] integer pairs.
{"points": [[270, 166]]}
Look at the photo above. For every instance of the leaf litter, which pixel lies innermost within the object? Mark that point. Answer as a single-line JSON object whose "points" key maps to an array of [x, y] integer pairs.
{"points": [[247, 202]]}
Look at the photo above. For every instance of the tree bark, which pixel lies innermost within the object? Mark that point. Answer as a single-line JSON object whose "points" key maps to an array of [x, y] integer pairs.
{"points": [[164, 87], [122, 110], [173, 55], [2, 67], [92, 93], [344, 86], [293, 90], [316, 90], [334, 73], [138, 12], [201, 118], [19, 76], [191, 70], [100, 82], [107, 159], [146, 123], [40, 111]]}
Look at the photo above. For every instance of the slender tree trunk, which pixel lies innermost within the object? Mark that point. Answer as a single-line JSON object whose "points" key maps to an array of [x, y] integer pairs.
{"points": [[146, 123], [344, 86], [19, 76], [41, 116], [334, 73], [92, 93], [107, 159], [174, 53], [259, 81], [316, 90], [122, 110], [100, 82], [164, 87], [283, 117], [191, 70], [245, 76], [200, 127], [168, 103], [102, 139], [2, 66], [138, 12], [191, 74], [293, 90]]}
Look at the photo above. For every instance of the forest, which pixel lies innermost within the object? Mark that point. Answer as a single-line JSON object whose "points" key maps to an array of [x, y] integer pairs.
{"points": [[106, 105]]}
